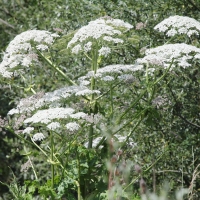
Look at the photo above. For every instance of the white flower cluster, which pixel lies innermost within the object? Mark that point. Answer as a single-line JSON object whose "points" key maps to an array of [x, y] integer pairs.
{"points": [[21, 53], [179, 25], [53, 126], [104, 28], [28, 130], [163, 55], [114, 70], [38, 137], [46, 116], [72, 126], [104, 51], [37, 101]]}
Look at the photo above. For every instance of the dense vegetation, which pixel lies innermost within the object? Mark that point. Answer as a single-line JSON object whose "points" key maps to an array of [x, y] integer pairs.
{"points": [[133, 131]]}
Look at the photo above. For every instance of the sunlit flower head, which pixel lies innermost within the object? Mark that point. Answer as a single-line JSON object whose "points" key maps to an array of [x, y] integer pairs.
{"points": [[20, 51], [176, 25], [46, 116], [105, 29], [38, 137], [181, 54]]}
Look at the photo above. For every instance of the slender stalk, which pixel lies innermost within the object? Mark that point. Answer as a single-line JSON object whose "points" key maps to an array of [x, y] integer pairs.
{"points": [[143, 92], [52, 158], [39, 148], [94, 68], [111, 99], [55, 68], [31, 164], [33, 91], [79, 175]]}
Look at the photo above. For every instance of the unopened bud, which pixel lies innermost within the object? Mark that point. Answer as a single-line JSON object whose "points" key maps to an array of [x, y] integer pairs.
{"points": [[114, 159], [143, 186], [119, 152], [138, 169], [117, 171]]}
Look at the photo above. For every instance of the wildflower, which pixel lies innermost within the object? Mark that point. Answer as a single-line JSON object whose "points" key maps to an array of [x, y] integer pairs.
{"points": [[34, 102], [72, 126], [179, 25], [87, 92], [118, 69], [38, 137], [93, 118], [104, 51], [104, 28], [107, 78], [28, 130], [111, 39], [20, 48], [45, 116], [53, 125], [76, 49], [78, 115], [88, 46], [181, 53]]}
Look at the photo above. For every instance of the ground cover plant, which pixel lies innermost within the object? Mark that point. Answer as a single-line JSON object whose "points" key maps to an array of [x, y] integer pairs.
{"points": [[90, 136]]}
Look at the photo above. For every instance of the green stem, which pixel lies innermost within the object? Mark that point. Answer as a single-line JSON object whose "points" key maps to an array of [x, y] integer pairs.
{"points": [[79, 176], [128, 136], [94, 68], [111, 99], [39, 148], [56, 68], [31, 164], [33, 91], [132, 105], [143, 92], [52, 158]]}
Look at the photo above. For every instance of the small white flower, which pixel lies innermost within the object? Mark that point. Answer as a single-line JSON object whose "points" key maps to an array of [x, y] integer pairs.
{"points": [[42, 47], [28, 130], [78, 115], [111, 39], [53, 126], [72, 126], [84, 82], [126, 77], [88, 46], [13, 111], [107, 78], [76, 49], [87, 92], [38, 137], [104, 51]]}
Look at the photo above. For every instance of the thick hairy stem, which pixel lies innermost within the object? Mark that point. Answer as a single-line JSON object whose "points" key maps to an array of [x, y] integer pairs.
{"points": [[94, 68]]}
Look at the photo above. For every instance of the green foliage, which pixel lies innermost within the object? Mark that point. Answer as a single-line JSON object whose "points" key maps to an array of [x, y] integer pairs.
{"points": [[167, 134]]}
